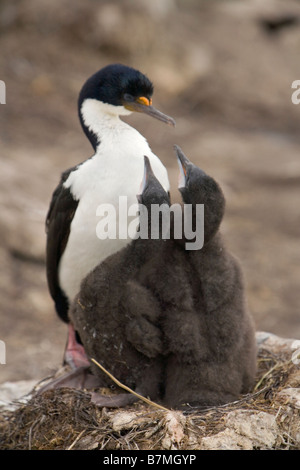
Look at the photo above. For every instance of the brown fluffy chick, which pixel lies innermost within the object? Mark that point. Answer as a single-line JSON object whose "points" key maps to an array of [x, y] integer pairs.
{"points": [[117, 316], [210, 334]]}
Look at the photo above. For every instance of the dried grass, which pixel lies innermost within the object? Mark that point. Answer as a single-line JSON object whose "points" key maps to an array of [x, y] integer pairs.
{"points": [[67, 419]]}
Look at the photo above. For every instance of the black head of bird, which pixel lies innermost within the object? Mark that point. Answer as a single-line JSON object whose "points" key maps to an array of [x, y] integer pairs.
{"points": [[124, 90], [196, 187]]}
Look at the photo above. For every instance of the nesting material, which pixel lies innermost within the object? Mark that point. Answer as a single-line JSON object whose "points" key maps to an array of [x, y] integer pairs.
{"points": [[267, 418]]}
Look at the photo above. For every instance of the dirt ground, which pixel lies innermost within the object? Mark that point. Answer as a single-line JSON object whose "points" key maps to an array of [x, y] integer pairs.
{"points": [[223, 70]]}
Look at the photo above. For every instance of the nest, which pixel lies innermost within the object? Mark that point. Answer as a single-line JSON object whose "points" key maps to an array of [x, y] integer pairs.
{"points": [[66, 419]]}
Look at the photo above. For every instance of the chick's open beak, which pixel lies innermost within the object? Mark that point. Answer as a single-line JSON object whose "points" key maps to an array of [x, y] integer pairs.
{"points": [[183, 162], [144, 105], [147, 172]]}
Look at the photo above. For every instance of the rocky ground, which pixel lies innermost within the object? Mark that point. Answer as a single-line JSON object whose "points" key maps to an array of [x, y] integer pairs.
{"points": [[223, 70]]}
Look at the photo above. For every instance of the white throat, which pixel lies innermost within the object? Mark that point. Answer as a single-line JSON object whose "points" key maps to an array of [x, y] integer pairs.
{"points": [[99, 117]]}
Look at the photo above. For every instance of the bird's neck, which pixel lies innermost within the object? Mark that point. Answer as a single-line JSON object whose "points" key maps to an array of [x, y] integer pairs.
{"points": [[101, 120]]}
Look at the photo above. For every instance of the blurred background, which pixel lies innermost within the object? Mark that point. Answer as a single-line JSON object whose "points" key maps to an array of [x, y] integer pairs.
{"points": [[222, 69]]}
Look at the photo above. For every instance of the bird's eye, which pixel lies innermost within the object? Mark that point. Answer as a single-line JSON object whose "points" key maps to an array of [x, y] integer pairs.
{"points": [[128, 97]]}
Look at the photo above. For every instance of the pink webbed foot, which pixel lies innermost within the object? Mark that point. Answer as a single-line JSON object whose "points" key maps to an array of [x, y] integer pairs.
{"points": [[76, 368], [75, 355]]}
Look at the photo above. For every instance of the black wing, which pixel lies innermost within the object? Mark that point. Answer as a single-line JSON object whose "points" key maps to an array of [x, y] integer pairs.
{"points": [[60, 215]]}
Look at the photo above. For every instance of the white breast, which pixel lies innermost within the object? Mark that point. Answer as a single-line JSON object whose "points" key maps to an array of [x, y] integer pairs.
{"points": [[115, 170]]}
